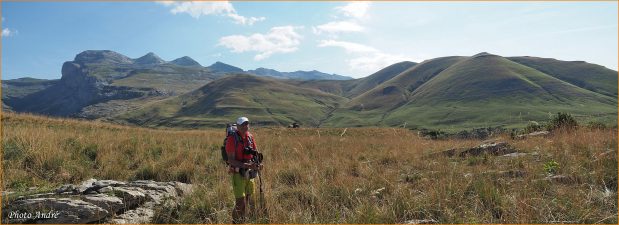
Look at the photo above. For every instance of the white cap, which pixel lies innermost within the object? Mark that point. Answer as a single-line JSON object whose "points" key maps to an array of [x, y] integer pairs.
{"points": [[241, 120]]}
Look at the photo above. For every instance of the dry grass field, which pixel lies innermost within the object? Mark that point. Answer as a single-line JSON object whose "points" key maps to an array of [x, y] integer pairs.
{"points": [[354, 175]]}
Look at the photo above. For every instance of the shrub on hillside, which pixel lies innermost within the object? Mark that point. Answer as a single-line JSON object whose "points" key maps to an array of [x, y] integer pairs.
{"points": [[533, 126], [596, 125], [432, 134], [551, 167], [562, 121]]}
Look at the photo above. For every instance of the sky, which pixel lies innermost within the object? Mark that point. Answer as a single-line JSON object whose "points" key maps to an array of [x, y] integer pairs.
{"points": [[348, 38]]}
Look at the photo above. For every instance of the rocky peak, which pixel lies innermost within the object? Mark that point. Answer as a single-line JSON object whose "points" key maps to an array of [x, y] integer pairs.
{"points": [[264, 71], [222, 67], [102, 56], [482, 54], [149, 59], [185, 61]]}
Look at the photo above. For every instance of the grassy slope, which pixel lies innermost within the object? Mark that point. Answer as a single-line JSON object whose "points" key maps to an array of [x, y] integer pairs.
{"points": [[368, 107], [364, 175], [13, 90], [480, 91], [585, 75], [489, 90], [392, 92], [352, 88], [266, 101], [21, 87], [336, 87], [367, 83], [172, 83], [448, 93], [167, 79]]}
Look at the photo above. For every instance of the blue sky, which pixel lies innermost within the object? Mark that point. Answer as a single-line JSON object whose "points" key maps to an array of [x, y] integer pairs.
{"points": [[347, 38]]}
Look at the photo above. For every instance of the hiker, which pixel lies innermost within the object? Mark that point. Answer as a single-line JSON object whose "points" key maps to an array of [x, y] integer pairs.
{"points": [[240, 151]]}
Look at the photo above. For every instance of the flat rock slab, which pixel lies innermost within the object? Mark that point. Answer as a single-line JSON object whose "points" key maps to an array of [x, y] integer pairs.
{"points": [[96, 201], [424, 221], [131, 196], [55, 210], [140, 215], [534, 134], [498, 148], [507, 173], [492, 148], [112, 204], [518, 154]]}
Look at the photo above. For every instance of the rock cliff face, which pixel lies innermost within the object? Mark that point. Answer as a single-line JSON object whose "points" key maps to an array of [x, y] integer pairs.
{"points": [[185, 61], [102, 57], [149, 59], [77, 81], [77, 88], [89, 80], [96, 201]]}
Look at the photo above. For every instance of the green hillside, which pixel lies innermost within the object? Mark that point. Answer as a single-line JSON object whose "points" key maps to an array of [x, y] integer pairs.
{"points": [[265, 101], [367, 83], [336, 87], [456, 92], [585, 75], [170, 79], [371, 107], [395, 91], [449, 93], [489, 90], [19, 88]]}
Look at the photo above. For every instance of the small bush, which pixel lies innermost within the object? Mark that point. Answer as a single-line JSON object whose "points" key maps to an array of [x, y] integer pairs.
{"points": [[184, 176], [12, 151], [596, 125], [477, 160], [411, 178], [489, 195], [432, 134], [90, 152], [146, 172], [155, 152], [21, 184], [551, 167], [533, 126], [289, 177], [562, 121]]}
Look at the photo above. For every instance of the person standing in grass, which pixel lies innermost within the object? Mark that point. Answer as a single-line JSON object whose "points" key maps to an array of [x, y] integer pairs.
{"points": [[241, 150]]}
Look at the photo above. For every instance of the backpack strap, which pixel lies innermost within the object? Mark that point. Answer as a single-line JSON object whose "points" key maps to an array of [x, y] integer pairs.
{"points": [[237, 139], [249, 140]]}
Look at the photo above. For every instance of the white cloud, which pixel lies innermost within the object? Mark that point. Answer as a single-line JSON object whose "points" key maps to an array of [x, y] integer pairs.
{"points": [[6, 32], [350, 47], [356, 10], [244, 20], [166, 3], [197, 9], [373, 62], [338, 26], [365, 59], [278, 40], [221, 8]]}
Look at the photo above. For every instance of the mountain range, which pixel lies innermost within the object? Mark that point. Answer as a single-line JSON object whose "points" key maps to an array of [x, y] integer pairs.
{"points": [[220, 67], [455, 92]]}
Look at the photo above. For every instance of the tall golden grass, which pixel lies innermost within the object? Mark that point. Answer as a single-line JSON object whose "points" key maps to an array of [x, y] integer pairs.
{"points": [[353, 175]]}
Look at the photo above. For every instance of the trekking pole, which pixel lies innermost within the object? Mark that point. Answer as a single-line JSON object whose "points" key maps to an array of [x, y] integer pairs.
{"points": [[263, 206]]}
